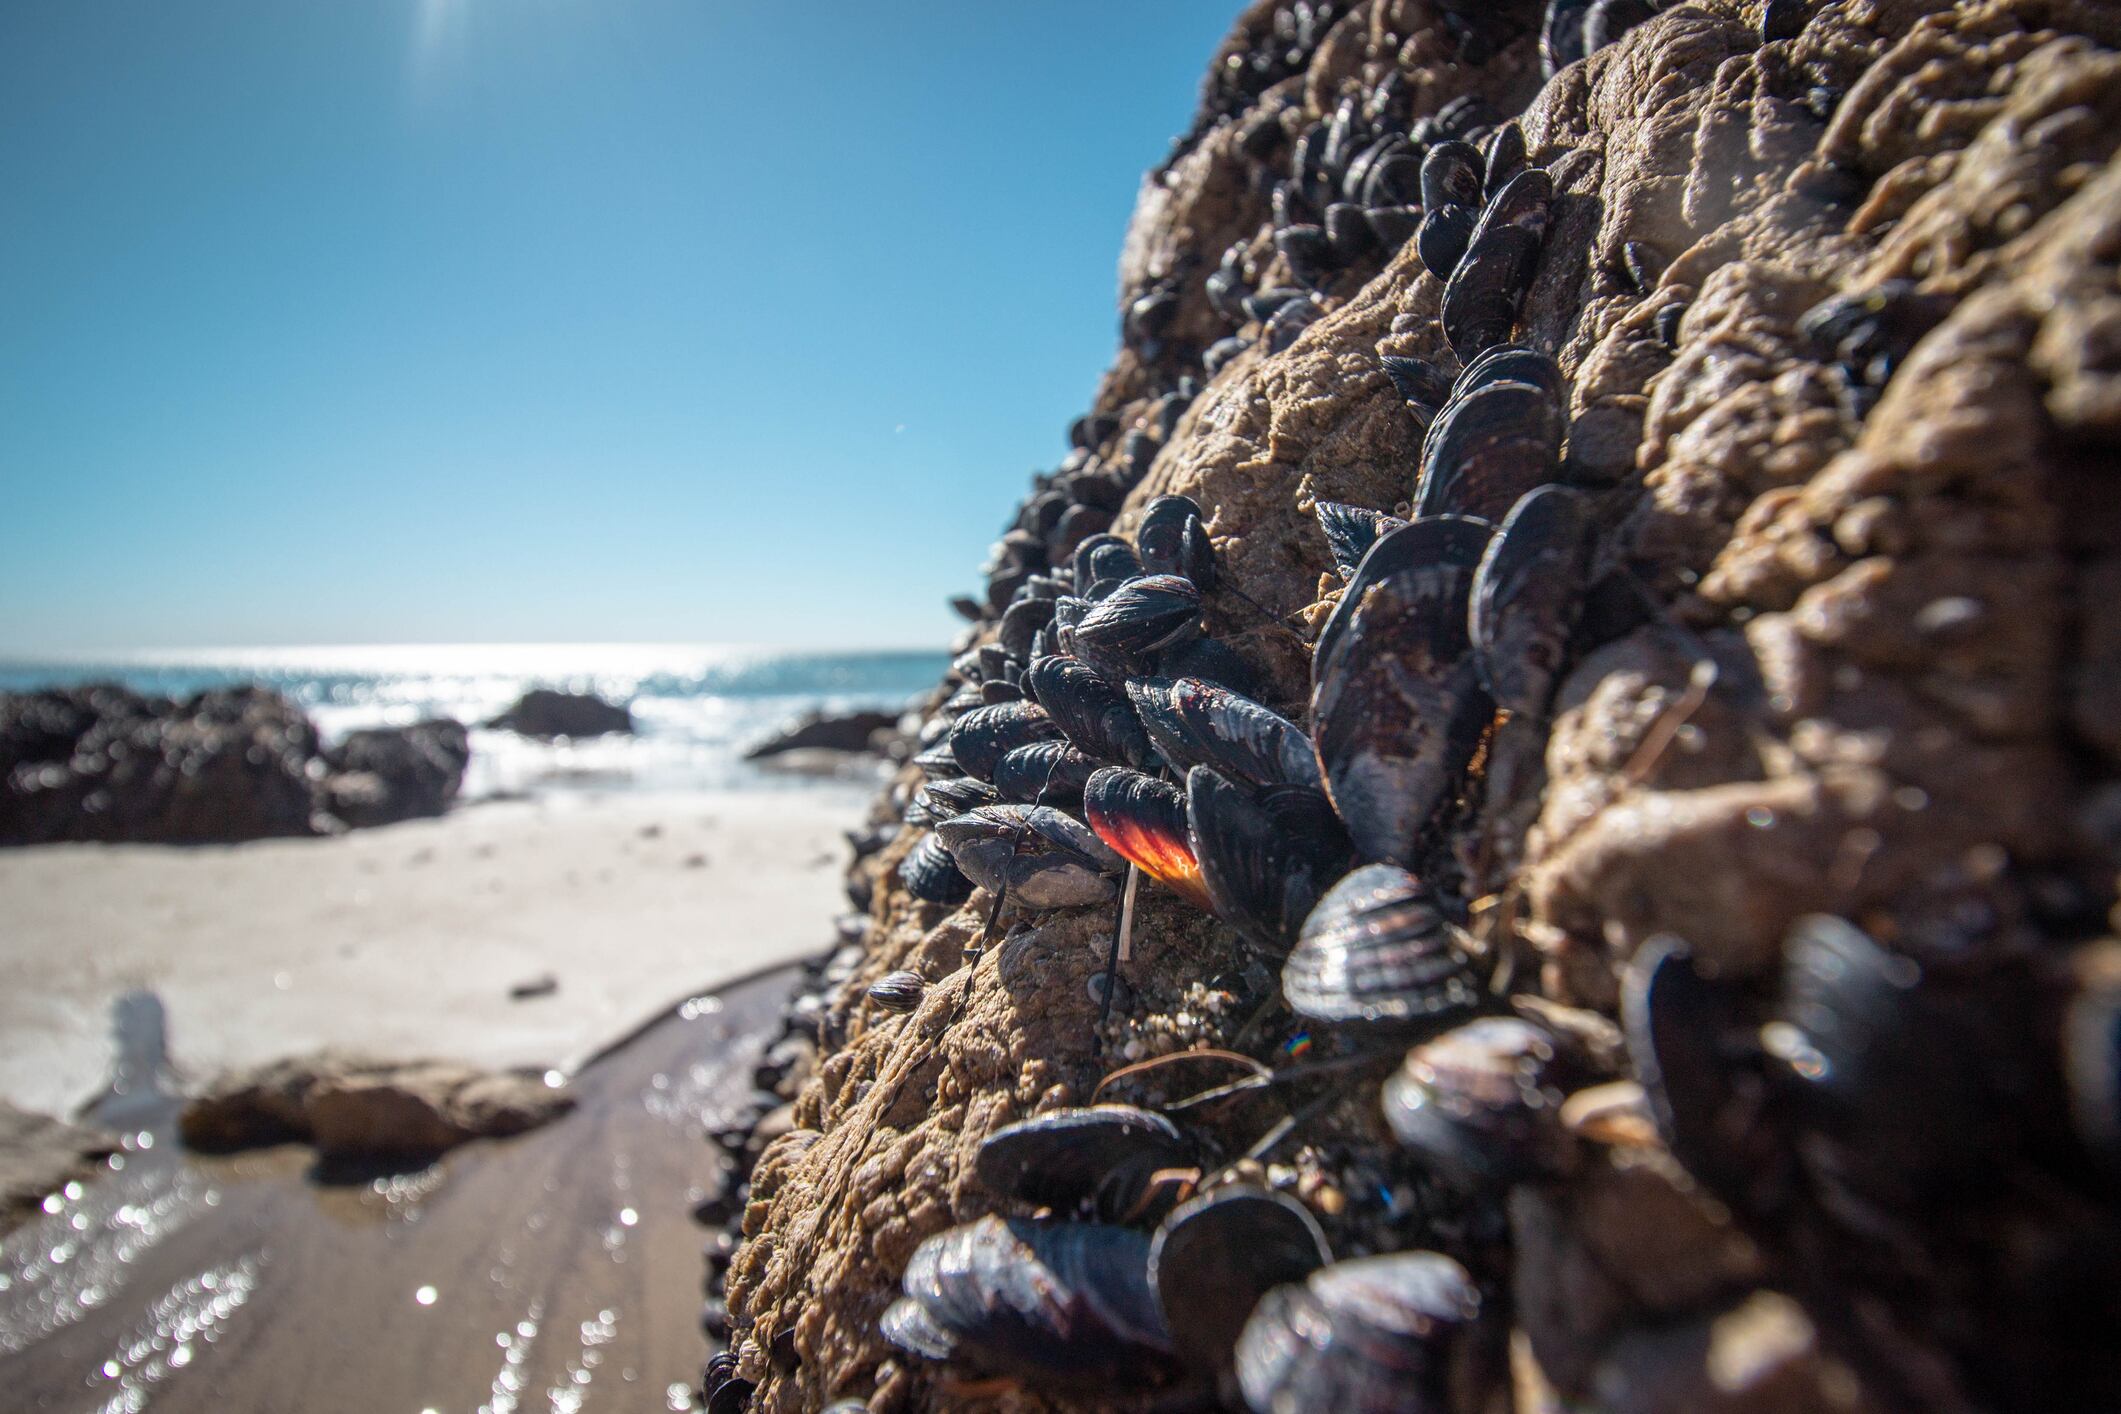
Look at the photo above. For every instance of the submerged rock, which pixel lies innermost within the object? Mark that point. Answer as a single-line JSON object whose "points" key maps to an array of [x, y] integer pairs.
{"points": [[546, 712], [351, 1107], [398, 773], [830, 731]]}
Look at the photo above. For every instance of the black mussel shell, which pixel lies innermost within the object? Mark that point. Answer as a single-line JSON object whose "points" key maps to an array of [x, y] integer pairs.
{"points": [[1394, 226], [1607, 20], [1371, 1336], [1561, 36], [1506, 155], [898, 991], [1043, 858], [1196, 723], [967, 607], [1309, 253], [958, 703], [1269, 302], [1480, 299], [1143, 819], [938, 762], [1078, 525], [1394, 180], [1089, 432], [980, 738], [1488, 448], [1216, 1255], [1091, 713], [1211, 660], [1445, 232], [1910, 1076], [1173, 540], [1397, 710], [1644, 265], [1141, 618], [1348, 232], [1481, 1104], [1351, 530], [1044, 773], [938, 801], [1103, 1159], [1377, 949], [1103, 557], [1021, 623], [1137, 453], [1419, 382], [1221, 352], [1513, 363], [1680, 1029], [1469, 110], [929, 873], [1451, 176], [1067, 1305], [1289, 322], [1528, 594], [1101, 490], [1263, 862], [995, 662], [992, 692]]}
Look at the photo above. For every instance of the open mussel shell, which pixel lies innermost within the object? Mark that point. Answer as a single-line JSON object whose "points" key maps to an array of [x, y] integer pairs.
{"points": [[1376, 1335], [1043, 858], [982, 737], [938, 801], [1173, 540], [1351, 530], [898, 991], [1106, 1159], [1378, 949], [1264, 857], [1144, 820], [931, 874], [1196, 723], [1142, 617], [1488, 448], [1064, 1304], [1397, 709], [1528, 594], [1090, 711], [1044, 773], [1481, 1104], [1216, 1255]]}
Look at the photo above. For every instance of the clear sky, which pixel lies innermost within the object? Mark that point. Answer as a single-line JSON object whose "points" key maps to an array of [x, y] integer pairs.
{"points": [[354, 321]]}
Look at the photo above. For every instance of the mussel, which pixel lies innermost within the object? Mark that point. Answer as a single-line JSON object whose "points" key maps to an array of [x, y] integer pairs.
{"points": [[1090, 711], [1378, 949], [1350, 531], [1043, 858], [1481, 1103], [1173, 540], [1376, 1335], [1195, 723], [983, 736], [898, 991], [1144, 820], [1140, 619], [1110, 1160], [1066, 1304], [1044, 773], [1264, 856], [1527, 595], [1216, 1255], [929, 873]]}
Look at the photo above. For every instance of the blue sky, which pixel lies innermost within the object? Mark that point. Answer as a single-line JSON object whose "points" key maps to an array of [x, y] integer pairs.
{"points": [[550, 320]]}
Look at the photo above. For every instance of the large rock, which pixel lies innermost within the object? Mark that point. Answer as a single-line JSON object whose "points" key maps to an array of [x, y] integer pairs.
{"points": [[1879, 683], [827, 731], [546, 712], [403, 772], [40, 1155], [108, 764], [353, 1107]]}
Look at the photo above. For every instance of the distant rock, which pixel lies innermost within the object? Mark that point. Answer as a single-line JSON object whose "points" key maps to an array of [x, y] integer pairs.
{"points": [[544, 712], [107, 764], [40, 1155], [351, 1107], [403, 772], [821, 731]]}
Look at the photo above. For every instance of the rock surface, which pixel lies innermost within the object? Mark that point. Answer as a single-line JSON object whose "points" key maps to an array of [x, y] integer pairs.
{"points": [[104, 763], [547, 712], [350, 1107], [40, 1155], [828, 731], [1879, 683]]}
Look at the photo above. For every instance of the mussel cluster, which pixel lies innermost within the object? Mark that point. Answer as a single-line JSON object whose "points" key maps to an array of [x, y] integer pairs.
{"points": [[1094, 731]]}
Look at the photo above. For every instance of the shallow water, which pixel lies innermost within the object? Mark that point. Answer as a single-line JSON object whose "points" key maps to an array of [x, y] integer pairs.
{"points": [[558, 1271]]}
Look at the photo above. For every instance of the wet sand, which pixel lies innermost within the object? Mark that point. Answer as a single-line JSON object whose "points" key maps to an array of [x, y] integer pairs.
{"points": [[557, 1271], [405, 941]]}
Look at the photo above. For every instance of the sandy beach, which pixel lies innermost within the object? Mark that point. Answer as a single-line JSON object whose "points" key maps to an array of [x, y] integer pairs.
{"points": [[407, 940]]}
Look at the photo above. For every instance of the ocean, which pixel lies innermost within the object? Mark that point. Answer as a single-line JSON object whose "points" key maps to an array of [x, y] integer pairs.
{"points": [[696, 708]]}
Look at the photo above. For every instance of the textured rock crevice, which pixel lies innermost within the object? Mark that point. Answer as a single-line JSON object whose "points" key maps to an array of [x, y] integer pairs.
{"points": [[1881, 682]]}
